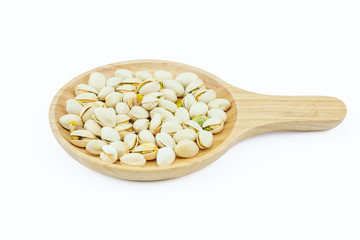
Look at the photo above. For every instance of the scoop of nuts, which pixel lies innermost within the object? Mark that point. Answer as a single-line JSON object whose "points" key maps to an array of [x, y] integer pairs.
{"points": [[139, 117]]}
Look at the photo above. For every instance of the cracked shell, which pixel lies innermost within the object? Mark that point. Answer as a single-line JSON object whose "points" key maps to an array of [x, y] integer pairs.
{"points": [[85, 88], [183, 114], [122, 118], [162, 75], [198, 108], [141, 124], [148, 86], [133, 159], [114, 82], [145, 136], [163, 112], [85, 98], [220, 103], [104, 92], [106, 117], [186, 149], [131, 140], [214, 124], [184, 134], [194, 86], [97, 80], [120, 147], [95, 147], [170, 127], [126, 88], [73, 106], [108, 154], [123, 73], [112, 99], [192, 125], [165, 157], [149, 102], [204, 139], [155, 123], [138, 112], [185, 78], [169, 94], [143, 75], [88, 110], [80, 138], [175, 86], [188, 101], [205, 96], [158, 95], [217, 112], [174, 119], [148, 150], [124, 129], [122, 108], [93, 127], [167, 105], [70, 119], [131, 81], [109, 134], [163, 139]]}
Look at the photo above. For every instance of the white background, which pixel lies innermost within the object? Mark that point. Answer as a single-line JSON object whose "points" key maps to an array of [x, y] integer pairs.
{"points": [[286, 185]]}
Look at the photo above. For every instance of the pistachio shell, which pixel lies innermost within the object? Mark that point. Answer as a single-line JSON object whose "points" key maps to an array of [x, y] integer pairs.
{"points": [[133, 159], [123, 73], [205, 96], [88, 110], [138, 112], [141, 124], [86, 98], [162, 75], [143, 75], [169, 94], [124, 129], [214, 124], [220, 103], [145, 136], [126, 88], [109, 134], [174, 119], [122, 118], [93, 127], [204, 139], [170, 127], [155, 123], [68, 119], [198, 108], [149, 102], [80, 138], [95, 147], [163, 112], [217, 112], [184, 134], [109, 154], [131, 140], [185, 78], [114, 82], [175, 86], [192, 125], [186, 149], [158, 95], [148, 86], [121, 148], [104, 92], [84, 88], [73, 106], [106, 117], [195, 85], [183, 114], [112, 99], [127, 96], [122, 108], [131, 81], [163, 139], [148, 150], [167, 105], [97, 80], [188, 101], [165, 157]]}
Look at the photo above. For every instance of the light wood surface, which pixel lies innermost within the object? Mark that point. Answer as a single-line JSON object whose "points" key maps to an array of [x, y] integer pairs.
{"points": [[250, 114]]}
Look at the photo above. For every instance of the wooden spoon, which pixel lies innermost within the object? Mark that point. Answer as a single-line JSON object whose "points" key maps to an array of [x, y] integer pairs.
{"points": [[250, 114]]}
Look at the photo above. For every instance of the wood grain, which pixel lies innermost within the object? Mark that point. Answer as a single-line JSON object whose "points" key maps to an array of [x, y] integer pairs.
{"points": [[251, 114]]}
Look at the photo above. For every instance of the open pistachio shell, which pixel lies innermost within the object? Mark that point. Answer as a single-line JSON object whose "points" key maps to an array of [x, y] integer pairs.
{"points": [[183, 114], [85, 98], [138, 112], [167, 105], [141, 124], [120, 147], [123, 73], [192, 125], [185, 78], [133, 159], [97, 80], [214, 124], [220, 103], [155, 124], [127, 96], [104, 92], [205, 96], [184, 134], [170, 127], [200, 119], [85, 88], [109, 134], [174, 119], [163, 112], [169, 94], [70, 119], [162, 75], [114, 82], [131, 81], [106, 117], [88, 110], [145, 136], [73, 106], [149, 102], [131, 140], [217, 112], [198, 108], [122, 118], [165, 157], [148, 86], [194, 86], [93, 127], [126, 88], [204, 139], [158, 95], [148, 150], [163, 139], [80, 138], [122, 108], [112, 99], [186, 149], [95, 147], [175, 86], [188, 101], [109, 154], [124, 129], [143, 75]]}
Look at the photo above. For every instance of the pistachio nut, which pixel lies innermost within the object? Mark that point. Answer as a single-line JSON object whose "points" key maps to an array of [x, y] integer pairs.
{"points": [[126, 88], [178, 103], [131, 140], [170, 127], [109, 134], [220, 103], [68, 120], [185, 78], [93, 127], [145, 136], [122, 118], [143, 75], [133, 159], [104, 92], [162, 75], [188, 101], [86, 98], [123, 73], [174, 119], [204, 139], [124, 129], [194, 86], [138, 112], [175, 86], [205, 96], [121, 148], [114, 82], [135, 100], [112, 99], [163, 112], [97, 80], [106, 117], [217, 112], [95, 147], [198, 108], [214, 125], [108, 154], [148, 86], [73, 106], [183, 114], [163, 139], [149, 102], [155, 123], [186, 149], [122, 108], [148, 150], [80, 138], [165, 157], [167, 105], [169, 94], [88, 110], [85, 88], [184, 134], [192, 125], [200, 119]]}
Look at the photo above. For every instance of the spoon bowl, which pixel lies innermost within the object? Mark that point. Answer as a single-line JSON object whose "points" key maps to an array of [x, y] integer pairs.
{"points": [[250, 114]]}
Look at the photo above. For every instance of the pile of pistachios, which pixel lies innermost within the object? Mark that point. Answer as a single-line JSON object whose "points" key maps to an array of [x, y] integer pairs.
{"points": [[138, 117]]}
